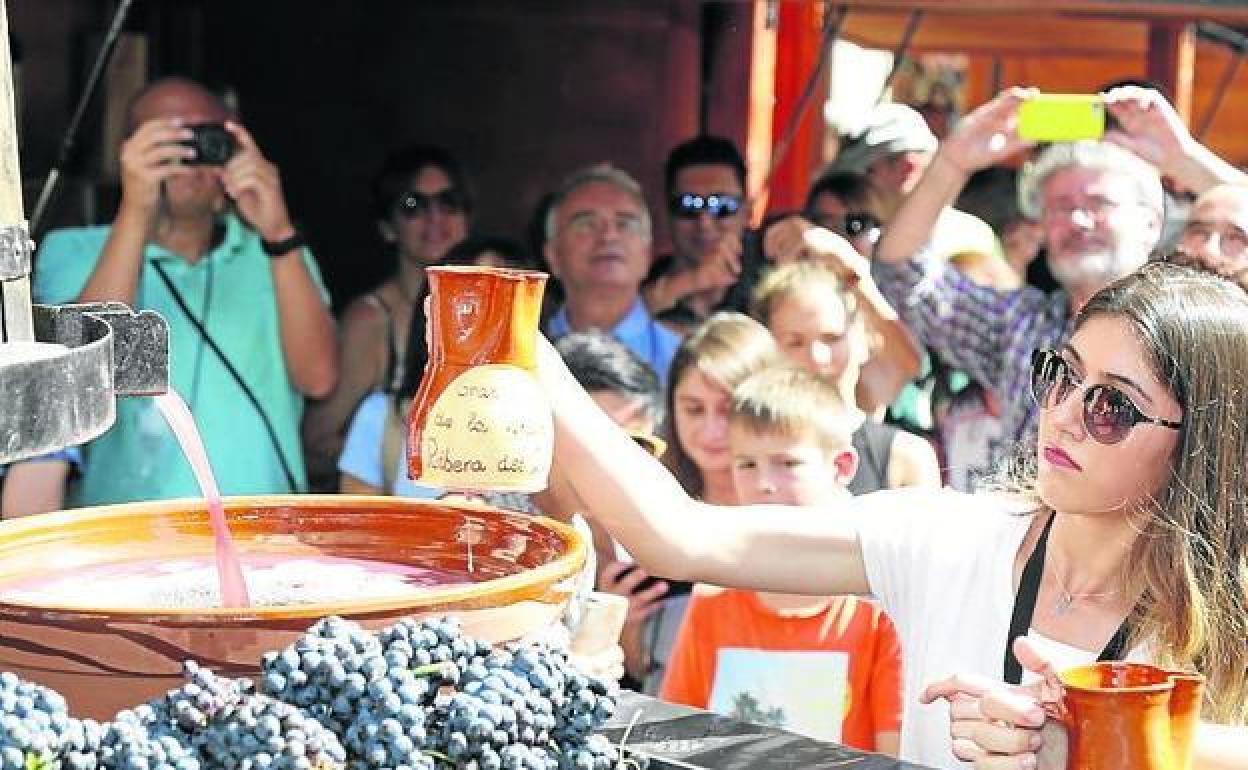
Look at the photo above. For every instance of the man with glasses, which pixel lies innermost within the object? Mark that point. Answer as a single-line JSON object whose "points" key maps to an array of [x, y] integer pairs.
{"points": [[1215, 235], [704, 180], [203, 237], [598, 246]]}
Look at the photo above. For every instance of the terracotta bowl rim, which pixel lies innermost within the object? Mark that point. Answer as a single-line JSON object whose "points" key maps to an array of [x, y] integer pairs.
{"points": [[531, 583]]}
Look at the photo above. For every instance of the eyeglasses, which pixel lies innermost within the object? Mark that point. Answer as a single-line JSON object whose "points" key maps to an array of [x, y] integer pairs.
{"points": [[593, 223], [414, 204], [692, 205], [1232, 241], [1108, 413], [852, 225]]}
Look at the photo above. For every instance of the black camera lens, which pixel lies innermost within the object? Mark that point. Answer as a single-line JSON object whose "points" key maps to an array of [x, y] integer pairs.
{"points": [[213, 145]]}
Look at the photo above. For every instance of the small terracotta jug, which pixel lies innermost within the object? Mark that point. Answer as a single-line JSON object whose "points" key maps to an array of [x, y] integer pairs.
{"points": [[479, 420], [1129, 716]]}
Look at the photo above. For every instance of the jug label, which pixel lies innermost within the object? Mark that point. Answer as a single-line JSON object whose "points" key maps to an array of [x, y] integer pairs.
{"points": [[490, 429]]}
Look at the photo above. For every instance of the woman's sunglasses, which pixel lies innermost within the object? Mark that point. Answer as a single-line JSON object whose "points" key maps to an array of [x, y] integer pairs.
{"points": [[414, 204], [692, 206], [1108, 413]]}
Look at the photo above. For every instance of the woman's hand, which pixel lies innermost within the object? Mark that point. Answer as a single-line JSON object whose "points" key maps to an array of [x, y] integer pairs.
{"points": [[1004, 727]]}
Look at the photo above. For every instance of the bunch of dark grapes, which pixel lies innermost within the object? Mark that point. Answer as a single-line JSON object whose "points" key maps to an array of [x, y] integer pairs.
{"points": [[523, 707], [130, 742], [262, 733], [217, 722], [327, 671], [36, 730]]}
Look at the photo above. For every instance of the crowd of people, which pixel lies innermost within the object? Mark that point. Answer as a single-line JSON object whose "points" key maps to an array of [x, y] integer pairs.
{"points": [[732, 415]]}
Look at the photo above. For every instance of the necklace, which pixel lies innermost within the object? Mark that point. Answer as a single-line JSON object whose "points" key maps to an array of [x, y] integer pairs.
{"points": [[1066, 599]]}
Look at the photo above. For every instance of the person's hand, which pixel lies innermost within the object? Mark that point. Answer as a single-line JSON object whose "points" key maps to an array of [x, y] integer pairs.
{"points": [[149, 156], [719, 267], [988, 135], [623, 579], [1004, 727], [795, 239], [1150, 127], [255, 186]]}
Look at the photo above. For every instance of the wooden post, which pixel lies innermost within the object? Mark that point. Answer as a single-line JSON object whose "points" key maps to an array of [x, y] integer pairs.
{"points": [[1171, 62], [16, 293], [798, 37]]}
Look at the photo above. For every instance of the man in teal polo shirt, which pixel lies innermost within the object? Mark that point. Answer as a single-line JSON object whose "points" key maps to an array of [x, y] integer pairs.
{"points": [[212, 249]]}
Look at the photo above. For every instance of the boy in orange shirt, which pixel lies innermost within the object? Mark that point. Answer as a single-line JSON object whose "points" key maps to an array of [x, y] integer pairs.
{"points": [[829, 668]]}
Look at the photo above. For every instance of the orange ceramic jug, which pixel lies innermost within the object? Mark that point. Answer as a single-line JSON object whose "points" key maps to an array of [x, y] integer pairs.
{"points": [[1129, 716], [479, 420]]}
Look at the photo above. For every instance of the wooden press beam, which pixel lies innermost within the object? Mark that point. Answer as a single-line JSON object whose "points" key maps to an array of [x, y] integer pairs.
{"points": [[1171, 62], [16, 294]]}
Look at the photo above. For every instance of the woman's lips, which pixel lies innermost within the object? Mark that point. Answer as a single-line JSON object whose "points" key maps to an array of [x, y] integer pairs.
{"points": [[1058, 457]]}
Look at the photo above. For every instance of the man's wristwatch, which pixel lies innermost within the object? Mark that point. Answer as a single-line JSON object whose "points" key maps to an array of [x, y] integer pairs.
{"points": [[285, 246]]}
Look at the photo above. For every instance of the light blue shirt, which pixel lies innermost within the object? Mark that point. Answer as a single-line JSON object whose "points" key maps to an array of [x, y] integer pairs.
{"points": [[653, 342], [362, 452], [231, 291]]}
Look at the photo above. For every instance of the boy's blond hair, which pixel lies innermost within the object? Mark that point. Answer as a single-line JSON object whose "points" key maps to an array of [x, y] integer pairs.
{"points": [[791, 401], [785, 281]]}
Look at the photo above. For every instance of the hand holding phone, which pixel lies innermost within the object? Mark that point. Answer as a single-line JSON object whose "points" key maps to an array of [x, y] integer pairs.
{"points": [[1061, 117]]}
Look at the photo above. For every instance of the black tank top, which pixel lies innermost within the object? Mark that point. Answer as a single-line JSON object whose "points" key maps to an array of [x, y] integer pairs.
{"points": [[874, 443]]}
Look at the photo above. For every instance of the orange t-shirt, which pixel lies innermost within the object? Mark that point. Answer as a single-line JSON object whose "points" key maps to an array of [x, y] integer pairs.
{"points": [[833, 675]]}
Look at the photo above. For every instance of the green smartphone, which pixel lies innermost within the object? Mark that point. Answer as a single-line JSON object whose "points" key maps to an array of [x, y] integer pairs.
{"points": [[1061, 117]]}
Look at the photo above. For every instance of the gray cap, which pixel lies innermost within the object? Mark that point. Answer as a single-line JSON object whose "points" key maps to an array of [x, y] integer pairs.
{"points": [[888, 129]]}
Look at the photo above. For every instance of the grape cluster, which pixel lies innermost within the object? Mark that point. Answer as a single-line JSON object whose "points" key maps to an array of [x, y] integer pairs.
{"points": [[216, 722], [418, 695], [37, 732], [326, 671]]}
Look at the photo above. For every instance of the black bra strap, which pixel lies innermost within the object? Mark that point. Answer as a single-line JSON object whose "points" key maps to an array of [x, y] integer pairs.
{"points": [[1025, 608]]}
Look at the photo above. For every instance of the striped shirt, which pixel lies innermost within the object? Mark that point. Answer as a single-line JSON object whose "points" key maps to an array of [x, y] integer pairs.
{"points": [[988, 333]]}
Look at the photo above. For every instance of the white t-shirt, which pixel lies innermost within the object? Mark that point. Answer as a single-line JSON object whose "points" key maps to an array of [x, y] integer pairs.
{"points": [[942, 566]]}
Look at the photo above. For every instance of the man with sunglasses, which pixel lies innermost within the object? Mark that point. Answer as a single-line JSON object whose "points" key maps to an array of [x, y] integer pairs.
{"points": [[704, 181], [205, 240]]}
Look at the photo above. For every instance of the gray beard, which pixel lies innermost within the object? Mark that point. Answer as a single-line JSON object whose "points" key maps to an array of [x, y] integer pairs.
{"points": [[1095, 270]]}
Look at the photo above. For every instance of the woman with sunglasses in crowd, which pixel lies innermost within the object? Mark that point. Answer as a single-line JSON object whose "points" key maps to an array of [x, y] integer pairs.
{"points": [[422, 203], [1132, 541]]}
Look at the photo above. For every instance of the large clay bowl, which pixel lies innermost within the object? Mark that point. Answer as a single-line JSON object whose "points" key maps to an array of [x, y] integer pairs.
{"points": [[104, 659]]}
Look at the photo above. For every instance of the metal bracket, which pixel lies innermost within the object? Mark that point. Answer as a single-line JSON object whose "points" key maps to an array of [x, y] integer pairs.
{"points": [[16, 249], [61, 389]]}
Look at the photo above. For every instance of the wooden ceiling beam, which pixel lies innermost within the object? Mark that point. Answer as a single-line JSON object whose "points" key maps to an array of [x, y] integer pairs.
{"points": [[1212, 10]]}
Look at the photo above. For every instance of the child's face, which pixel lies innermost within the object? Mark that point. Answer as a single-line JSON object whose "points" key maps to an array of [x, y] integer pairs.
{"points": [[773, 468], [814, 333]]}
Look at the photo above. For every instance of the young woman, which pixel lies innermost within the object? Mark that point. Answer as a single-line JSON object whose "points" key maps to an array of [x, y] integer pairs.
{"points": [[720, 354], [422, 202], [817, 324], [1138, 528]]}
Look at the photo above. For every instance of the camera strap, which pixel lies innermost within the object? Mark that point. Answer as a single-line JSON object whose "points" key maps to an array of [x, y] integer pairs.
{"points": [[233, 371]]}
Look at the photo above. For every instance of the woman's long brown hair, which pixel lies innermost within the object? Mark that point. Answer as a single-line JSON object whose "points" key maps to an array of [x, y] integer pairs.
{"points": [[1190, 562]]}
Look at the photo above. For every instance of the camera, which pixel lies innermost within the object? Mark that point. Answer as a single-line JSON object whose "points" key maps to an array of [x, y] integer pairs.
{"points": [[213, 145]]}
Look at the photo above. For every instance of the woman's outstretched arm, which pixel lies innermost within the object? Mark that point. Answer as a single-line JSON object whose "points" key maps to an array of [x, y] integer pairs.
{"points": [[793, 550]]}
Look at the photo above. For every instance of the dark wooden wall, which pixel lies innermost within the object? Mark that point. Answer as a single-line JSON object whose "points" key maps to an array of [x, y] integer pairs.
{"points": [[523, 91]]}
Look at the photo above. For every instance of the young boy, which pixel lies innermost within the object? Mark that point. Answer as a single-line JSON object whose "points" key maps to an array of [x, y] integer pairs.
{"points": [[829, 668]]}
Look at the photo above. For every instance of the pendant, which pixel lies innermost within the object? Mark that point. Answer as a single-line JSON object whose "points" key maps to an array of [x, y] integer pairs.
{"points": [[1063, 604]]}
